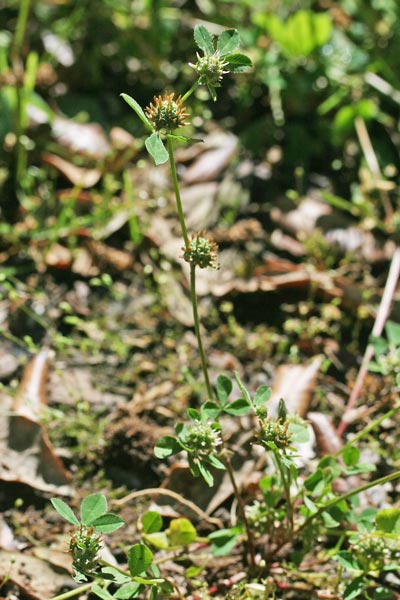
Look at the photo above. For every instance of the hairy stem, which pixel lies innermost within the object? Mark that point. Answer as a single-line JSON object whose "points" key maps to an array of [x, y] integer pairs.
{"points": [[286, 489], [71, 593], [190, 92], [193, 297], [181, 216]]}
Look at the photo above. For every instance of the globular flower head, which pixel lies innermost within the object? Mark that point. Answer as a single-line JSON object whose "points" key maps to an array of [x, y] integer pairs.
{"points": [[274, 432], [204, 438], [84, 546], [211, 68], [165, 113], [202, 251], [371, 552]]}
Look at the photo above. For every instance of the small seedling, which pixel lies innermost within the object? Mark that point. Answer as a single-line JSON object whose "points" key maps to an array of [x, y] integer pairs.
{"points": [[86, 543]]}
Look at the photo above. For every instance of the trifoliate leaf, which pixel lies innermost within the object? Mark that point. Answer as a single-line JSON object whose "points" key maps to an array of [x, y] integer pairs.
{"points": [[64, 511], [238, 62], [204, 39], [262, 395], [223, 388], [181, 532], [152, 521], [107, 523], [205, 473], [140, 558], [167, 446], [238, 408], [388, 520], [138, 110], [156, 149], [93, 507], [228, 41]]}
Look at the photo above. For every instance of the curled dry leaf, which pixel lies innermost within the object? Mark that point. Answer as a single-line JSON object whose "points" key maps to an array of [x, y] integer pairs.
{"points": [[210, 164], [201, 208], [7, 539], [87, 139], [31, 395], [59, 257], [109, 257], [121, 139], [328, 441], [295, 384], [9, 363], [305, 217], [34, 578], [26, 454], [241, 231], [79, 176], [178, 302]]}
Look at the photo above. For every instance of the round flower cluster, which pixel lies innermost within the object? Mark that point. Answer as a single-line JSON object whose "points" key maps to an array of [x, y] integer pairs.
{"points": [[205, 438], [274, 432], [202, 252], [374, 552], [84, 547], [211, 68], [165, 113]]}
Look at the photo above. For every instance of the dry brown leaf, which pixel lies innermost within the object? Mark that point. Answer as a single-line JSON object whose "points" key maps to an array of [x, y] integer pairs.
{"points": [[178, 302], [7, 539], [9, 363], [296, 385], [35, 578], [31, 396], [305, 217], [286, 243], [79, 176], [121, 139], [26, 454], [59, 257], [87, 139], [200, 206], [328, 441], [109, 257], [69, 386], [160, 233], [210, 164], [241, 231]]}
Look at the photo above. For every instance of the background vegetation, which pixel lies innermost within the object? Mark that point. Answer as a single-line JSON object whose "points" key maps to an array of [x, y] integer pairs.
{"points": [[297, 180]]}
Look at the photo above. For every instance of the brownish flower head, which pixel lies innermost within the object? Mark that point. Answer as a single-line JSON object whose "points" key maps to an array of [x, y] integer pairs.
{"points": [[166, 113], [84, 546], [202, 252], [273, 431]]}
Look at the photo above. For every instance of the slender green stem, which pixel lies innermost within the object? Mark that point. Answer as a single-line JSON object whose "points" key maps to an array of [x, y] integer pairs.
{"points": [[337, 499], [366, 430], [20, 27], [190, 92], [250, 540], [193, 297], [286, 489], [71, 593], [181, 216], [18, 69]]}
